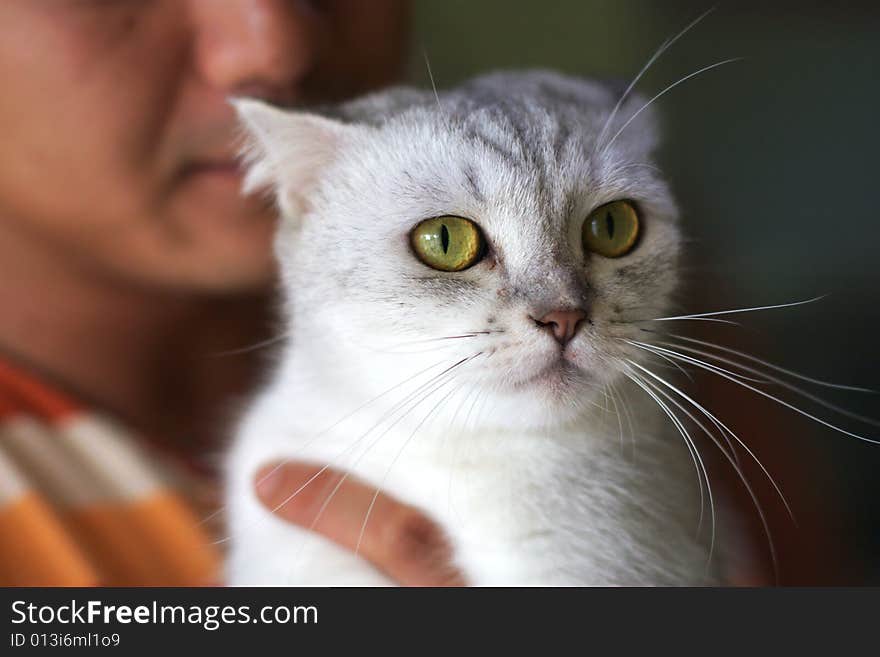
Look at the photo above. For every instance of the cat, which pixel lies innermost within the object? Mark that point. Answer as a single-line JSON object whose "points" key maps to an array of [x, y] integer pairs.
{"points": [[463, 276]]}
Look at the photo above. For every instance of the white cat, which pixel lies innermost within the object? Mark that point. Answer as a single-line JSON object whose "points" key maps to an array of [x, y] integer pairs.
{"points": [[460, 277]]}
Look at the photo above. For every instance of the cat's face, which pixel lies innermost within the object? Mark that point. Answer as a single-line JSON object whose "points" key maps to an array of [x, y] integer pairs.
{"points": [[536, 310]]}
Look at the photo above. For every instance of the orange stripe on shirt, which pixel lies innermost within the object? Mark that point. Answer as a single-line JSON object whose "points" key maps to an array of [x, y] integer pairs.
{"points": [[36, 550], [89, 502], [152, 542]]}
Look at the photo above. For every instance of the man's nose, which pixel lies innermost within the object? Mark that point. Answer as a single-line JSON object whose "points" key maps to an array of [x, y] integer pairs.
{"points": [[563, 324], [255, 47]]}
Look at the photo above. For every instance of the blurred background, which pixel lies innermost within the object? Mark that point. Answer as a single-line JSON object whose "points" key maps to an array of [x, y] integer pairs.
{"points": [[773, 162]]}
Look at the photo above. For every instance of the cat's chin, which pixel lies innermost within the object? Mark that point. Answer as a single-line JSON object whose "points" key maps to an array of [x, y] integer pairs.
{"points": [[513, 412], [556, 395]]}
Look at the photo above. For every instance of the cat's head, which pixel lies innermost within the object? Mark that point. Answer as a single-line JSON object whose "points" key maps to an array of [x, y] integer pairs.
{"points": [[508, 222]]}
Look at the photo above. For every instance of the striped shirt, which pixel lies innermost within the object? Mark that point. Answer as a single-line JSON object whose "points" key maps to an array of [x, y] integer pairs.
{"points": [[85, 502]]}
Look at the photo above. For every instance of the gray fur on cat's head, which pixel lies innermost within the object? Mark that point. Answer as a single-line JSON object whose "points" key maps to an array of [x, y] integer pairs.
{"points": [[516, 153]]}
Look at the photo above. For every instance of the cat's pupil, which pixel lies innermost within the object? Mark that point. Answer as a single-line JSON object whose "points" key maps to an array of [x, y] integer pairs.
{"points": [[444, 238], [609, 224]]}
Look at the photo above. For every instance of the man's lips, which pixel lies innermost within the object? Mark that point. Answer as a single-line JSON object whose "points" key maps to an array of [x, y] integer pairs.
{"points": [[215, 167], [222, 174]]}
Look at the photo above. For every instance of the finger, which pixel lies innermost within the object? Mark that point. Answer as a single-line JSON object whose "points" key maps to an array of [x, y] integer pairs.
{"points": [[397, 539]]}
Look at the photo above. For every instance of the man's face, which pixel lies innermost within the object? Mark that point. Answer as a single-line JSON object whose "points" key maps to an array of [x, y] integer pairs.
{"points": [[119, 146]]}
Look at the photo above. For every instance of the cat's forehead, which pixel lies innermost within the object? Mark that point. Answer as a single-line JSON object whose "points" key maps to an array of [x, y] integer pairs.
{"points": [[530, 122], [527, 145], [507, 93], [520, 154], [519, 116]]}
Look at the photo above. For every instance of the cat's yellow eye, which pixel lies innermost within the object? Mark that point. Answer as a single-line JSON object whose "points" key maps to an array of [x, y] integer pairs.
{"points": [[612, 229], [448, 243]]}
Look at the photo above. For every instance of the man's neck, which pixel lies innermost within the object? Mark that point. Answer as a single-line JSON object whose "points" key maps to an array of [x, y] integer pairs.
{"points": [[154, 359]]}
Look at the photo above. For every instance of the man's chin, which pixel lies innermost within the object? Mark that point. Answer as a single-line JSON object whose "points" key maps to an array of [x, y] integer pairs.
{"points": [[224, 252], [234, 281], [199, 270]]}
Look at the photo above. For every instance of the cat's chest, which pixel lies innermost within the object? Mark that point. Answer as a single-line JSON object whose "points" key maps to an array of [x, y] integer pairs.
{"points": [[567, 507], [515, 506]]}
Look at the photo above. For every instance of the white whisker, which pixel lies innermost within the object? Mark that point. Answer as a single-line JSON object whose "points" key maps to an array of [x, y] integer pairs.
{"points": [[779, 382], [724, 428], [439, 383], [619, 420], [326, 430], [667, 89], [455, 456], [254, 347], [388, 414], [351, 466], [696, 319], [649, 349], [663, 48], [772, 366], [738, 381], [657, 351], [680, 368], [735, 464], [692, 448], [624, 400], [393, 462], [431, 78], [742, 310], [446, 340]]}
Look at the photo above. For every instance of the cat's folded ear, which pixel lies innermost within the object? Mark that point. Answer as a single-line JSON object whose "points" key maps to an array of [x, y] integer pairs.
{"points": [[286, 151]]}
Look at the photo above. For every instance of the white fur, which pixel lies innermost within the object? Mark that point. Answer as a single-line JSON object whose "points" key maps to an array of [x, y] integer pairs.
{"points": [[526, 475]]}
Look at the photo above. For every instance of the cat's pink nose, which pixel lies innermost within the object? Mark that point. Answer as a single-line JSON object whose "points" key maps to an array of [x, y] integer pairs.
{"points": [[562, 323]]}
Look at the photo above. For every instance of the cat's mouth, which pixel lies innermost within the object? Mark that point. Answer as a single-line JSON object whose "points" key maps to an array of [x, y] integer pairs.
{"points": [[559, 373]]}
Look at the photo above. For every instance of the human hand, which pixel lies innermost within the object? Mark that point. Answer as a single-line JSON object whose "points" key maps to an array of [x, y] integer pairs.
{"points": [[398, 539]]}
